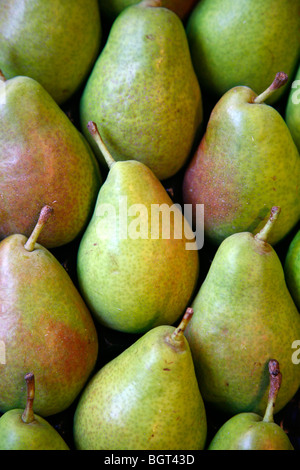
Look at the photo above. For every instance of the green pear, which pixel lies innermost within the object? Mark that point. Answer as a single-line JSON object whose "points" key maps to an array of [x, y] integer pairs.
{"points": [[45, 326], [292, 268], [243, 42], [244, 316], [292, 112], [147, 398], [250, 431], [43, 160], [56, 42], [112, 8], [24, 430], [245, 164], [134, 264], [143, 92]]}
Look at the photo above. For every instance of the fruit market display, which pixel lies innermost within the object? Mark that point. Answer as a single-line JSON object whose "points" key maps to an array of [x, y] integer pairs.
{"points": [[150, 225]]}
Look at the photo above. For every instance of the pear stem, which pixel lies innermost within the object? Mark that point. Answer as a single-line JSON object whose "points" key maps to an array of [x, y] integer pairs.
{"points": [[264, 234], [43, 218], [93, 130], [179, 331], [28, 414], [150, 3], [2, 77], [280, 79], [275, 384]]}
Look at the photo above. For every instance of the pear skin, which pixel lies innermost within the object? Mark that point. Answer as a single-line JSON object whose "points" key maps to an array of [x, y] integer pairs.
{"points": [[147, 398], [292, 112], [243, 43], [292, 268], [243, 316], [43, 160], [246, 163], [250, 431], [143, 113], [45, 326], [134, 273], [22, 429], [56, 43]]}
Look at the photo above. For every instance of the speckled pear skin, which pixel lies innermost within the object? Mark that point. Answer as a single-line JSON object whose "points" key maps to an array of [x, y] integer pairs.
{"points": [[143, 93], [46, 328], [134, 284], [247, 431], [56, 43], [112, 8], [43, 160], [38, 435], [147, 398], [292, 112], [292, 268], [243, 42], [245, 164], [238, 326]]}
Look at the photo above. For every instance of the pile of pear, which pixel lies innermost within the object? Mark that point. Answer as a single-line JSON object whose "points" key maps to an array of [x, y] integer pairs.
{"points": [[165, 104]]}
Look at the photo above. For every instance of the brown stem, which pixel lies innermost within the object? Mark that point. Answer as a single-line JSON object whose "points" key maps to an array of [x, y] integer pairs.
{"points": [[176, 338], [28, 414], [280, 79], [93, 130], [275, 384], [264, 234], [2, 77], [42, 220]]}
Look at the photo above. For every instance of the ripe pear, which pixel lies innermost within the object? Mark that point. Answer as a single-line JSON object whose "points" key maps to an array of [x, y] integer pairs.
{"points": [[243, 42], [112, 8], [146, 398], [142, 112], [56, 42], [246, 163], [135, 269], [22, 429], [243, 316], [292, 111], [43, 160], [292, 268], [250, 431], [45, 326]]}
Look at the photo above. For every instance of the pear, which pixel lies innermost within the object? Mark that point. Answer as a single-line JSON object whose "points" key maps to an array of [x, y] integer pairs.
{"points": [[145, 398], [292, 111], [250, 431], [43, 160], [45, 326], [136, 265], [244, 316], [246, 163], [24, 430], [56, 42], [292, 268], [243, 42], [142, 112], [110, 9]]}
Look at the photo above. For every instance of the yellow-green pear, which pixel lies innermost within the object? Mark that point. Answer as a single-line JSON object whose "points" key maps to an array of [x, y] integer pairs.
{"points": [[55, 42], [244, 316], [137, 261], [143, 92], [147, 398]]}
